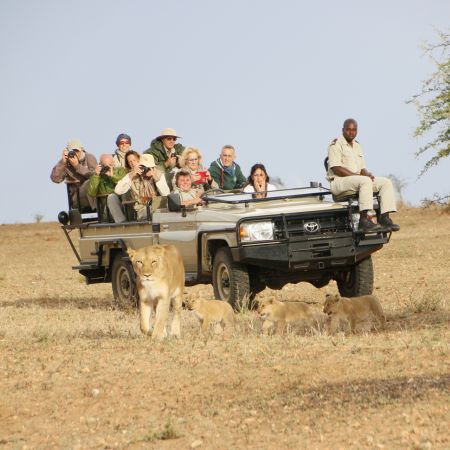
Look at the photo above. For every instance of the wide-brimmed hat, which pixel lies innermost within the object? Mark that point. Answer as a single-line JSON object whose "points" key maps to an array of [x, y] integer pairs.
{"points": [[147, 160], [74, 144], [168, 132]]}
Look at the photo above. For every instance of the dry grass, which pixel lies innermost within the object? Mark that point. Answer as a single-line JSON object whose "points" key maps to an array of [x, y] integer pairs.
{"points": [[77, 373]]}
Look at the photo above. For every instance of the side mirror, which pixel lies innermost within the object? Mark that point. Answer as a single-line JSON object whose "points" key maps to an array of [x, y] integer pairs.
{"points": [[174, 202]]}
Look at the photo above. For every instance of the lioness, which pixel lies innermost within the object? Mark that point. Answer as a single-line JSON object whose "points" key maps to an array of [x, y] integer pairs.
{"points": [[160, 284], [277, 314], [211, 312], [352, 310]]}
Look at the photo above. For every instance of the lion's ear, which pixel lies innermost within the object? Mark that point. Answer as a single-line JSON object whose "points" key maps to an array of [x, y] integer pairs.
{"points": [[131, 252]]}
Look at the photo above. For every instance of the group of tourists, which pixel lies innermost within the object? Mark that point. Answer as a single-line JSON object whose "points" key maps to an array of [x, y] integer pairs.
{"points": [[167, 166], [143, 179]]}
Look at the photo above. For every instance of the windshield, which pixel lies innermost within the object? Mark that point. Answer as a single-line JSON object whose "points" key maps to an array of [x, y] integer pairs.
{"points": [[244, 197]]}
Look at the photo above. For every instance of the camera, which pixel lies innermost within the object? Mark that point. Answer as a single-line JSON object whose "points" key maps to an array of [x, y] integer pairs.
{"points": [[144, 169], [71, 153], [104, 169]]}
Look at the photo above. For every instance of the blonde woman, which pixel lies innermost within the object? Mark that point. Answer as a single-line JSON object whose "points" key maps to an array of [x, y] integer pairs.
{"points": [[191, 161]]}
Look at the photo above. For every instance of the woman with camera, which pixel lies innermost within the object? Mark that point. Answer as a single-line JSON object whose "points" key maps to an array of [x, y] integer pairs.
{"points": [[258, 181], [145, 182], [191, 161]]}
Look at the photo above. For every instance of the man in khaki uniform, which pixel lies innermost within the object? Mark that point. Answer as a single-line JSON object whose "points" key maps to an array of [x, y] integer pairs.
{"points": [[347, 172]]}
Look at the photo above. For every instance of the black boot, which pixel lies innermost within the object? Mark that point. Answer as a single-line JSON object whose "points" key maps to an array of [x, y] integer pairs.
{"points": [[367, 226], [386, 222]]}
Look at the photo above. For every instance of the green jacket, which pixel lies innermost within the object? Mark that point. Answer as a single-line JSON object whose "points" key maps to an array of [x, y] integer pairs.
{"points": [[224, 179], [159, 153], [102, 184]]}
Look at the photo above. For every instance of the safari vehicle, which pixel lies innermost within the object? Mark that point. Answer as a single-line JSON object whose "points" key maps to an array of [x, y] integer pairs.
{"points": [[239, 243]]}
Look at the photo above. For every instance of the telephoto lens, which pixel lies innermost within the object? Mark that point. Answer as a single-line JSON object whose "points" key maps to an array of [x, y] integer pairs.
{"points": [[71, 153], [144, 169], [104, 169]]}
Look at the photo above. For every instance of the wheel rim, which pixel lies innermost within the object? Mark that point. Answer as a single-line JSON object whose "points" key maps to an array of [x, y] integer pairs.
{"points": [[124, 284], [223, 278]]}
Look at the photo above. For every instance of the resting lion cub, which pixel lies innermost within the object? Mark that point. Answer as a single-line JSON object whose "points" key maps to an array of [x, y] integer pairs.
{"points": [[160, 283], [277, 314], [211, 312], [352, 310]]}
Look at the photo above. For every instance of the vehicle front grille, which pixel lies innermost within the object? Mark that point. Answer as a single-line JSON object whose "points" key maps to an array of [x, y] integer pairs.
{"points": [[311, 225]]}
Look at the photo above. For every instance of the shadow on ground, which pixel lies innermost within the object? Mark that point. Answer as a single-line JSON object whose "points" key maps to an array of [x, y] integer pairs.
{"points": [[62, 303]]}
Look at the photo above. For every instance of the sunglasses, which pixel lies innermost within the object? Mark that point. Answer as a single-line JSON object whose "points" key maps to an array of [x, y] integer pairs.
{"points": [[170, 138], [124, 142]]}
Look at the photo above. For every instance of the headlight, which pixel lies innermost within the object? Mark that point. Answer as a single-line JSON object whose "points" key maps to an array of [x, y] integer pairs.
{"points": [[256, 231]]}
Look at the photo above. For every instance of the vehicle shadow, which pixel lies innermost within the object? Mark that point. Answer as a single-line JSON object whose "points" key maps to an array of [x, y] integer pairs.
{"points": [[106, 304], [407, 320]]}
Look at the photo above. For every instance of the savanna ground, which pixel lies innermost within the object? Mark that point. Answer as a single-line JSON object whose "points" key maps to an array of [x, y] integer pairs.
{"points": [[75, 371]]}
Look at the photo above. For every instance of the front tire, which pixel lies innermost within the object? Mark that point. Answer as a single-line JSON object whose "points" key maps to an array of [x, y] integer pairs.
{"points": [[231, 281], [123, 281], [357, 281]]}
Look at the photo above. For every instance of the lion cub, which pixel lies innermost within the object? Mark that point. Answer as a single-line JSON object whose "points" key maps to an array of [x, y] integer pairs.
{"points": [[210, 312], [352, 310], [277, 314]]}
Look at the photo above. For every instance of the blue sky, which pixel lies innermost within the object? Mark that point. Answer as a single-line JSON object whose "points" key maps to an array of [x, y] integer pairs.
{"points": [[275, 79]]}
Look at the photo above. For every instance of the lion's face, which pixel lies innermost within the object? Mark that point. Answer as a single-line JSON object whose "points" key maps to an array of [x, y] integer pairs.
{"points": [[331, 304], [265, 308], [146, 264], [190, 302]]}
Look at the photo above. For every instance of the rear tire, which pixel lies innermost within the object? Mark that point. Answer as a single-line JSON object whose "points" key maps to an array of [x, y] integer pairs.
{"points": [[231, 281], [358, 281], [123, 281]]}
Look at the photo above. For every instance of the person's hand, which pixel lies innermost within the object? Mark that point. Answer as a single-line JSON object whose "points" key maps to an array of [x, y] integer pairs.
{"points": [[366, 173], [73, 161], [171, 161], [136, 171], [98, 169], [260, 187], [195, 177], [199, 200], [208, 176], [64, 156]]}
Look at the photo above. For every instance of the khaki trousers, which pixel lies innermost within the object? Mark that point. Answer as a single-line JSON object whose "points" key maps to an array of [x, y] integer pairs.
{"points": [[366, 187]]}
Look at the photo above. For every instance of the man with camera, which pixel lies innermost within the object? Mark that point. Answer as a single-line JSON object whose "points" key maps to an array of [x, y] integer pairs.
{"points": [[75, 168], [146, 183], [166, 151], [102, 184]]}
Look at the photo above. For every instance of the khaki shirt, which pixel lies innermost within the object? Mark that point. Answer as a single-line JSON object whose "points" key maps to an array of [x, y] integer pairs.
{"points": [[343, 154]]}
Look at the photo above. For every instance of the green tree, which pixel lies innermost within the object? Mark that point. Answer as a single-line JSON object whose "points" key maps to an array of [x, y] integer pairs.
{"points": [[433, 103]]}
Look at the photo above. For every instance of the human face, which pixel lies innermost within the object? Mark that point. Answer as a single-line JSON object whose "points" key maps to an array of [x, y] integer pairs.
{"points": [[124, 145], [169, 142], [107, 160], [350, 131], [259, 177], [133, 161], [184, 182], [192, 161], [227, 157]]}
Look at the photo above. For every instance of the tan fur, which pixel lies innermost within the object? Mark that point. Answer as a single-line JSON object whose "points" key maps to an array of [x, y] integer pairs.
{"points": [[352, 310], [160, 284], [278, 314], [212, 312]]}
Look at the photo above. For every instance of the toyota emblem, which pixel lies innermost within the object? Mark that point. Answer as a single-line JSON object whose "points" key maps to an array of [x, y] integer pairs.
{"points": [[311, 227]]}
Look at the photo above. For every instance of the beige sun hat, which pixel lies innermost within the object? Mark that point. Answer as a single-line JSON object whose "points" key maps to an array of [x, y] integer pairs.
{"points": [[168, 132], [147, 160], [74, 144]]}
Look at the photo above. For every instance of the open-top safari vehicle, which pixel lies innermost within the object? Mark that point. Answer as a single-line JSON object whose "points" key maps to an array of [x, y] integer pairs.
{"points": [[239, 243]]}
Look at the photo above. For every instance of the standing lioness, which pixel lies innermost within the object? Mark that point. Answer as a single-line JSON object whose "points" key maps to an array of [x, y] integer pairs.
{"points": [[277, 314], [160, 284], [352, 310]]}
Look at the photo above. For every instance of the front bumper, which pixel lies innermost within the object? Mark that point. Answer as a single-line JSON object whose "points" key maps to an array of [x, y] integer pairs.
{"points": [[297, 255]]}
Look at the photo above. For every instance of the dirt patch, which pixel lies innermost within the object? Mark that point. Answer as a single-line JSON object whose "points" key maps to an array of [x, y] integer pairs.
{"points": [[77, 373]]}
